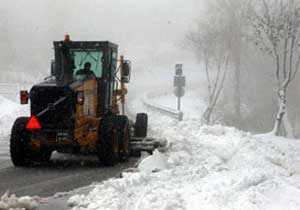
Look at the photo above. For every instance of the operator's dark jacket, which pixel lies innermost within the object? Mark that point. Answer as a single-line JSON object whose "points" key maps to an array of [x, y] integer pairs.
{"points": [[88, 73]]}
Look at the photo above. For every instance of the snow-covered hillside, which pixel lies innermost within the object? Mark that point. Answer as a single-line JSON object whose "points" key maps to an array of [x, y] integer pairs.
{"points": [[209, 167]]}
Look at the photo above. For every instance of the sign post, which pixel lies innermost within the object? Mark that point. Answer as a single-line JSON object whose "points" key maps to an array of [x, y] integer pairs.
{"points": [[179, 84]]}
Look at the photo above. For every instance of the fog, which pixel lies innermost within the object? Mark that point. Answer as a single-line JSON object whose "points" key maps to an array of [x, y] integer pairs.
{"points": [[154, 35], [149, 32]]}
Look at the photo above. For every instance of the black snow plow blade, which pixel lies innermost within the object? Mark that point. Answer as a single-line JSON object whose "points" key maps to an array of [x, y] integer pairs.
{"points": [[139, 145]]}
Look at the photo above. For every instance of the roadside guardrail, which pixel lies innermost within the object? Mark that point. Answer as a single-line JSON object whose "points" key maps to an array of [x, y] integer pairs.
{"points": [[173, 113]]}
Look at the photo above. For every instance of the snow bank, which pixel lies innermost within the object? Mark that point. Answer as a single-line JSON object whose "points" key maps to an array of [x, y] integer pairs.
{"points": [[209, 167], [11, 202], [9, 112], [154, 163]]}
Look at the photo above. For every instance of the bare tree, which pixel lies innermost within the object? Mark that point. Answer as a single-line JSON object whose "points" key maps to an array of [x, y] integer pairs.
{"points": [[212, 44], [276, 25], [231, 12], [224, 22]]}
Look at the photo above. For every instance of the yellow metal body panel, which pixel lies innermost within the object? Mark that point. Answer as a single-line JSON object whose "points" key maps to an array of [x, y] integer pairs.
{"points": [[35, 146], [87, 121]]}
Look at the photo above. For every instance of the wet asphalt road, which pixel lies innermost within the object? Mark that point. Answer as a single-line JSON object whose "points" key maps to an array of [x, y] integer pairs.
{"points": [[63, 173]]}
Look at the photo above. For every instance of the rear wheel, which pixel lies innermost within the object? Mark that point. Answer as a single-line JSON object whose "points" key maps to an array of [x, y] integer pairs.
{"points": [[141, 125], [108, 143], [45, 156], [20, 150]]}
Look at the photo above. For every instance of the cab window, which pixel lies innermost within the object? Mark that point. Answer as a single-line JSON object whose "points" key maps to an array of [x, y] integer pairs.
{"points": [[80, 57]]}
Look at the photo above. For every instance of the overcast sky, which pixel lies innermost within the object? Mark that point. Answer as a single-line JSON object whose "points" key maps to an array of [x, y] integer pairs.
{"points": [[150, 31]]}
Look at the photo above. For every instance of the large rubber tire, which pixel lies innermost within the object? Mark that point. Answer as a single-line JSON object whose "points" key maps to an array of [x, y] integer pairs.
{"points": [[124, 137], [108, 143], [45, 156], [141, 125], [20, 150]]}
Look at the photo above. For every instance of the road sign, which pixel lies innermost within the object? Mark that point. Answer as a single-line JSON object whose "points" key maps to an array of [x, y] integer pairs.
{"points": [[179, 81], [178, 69], [179, 92], [179, 84]]}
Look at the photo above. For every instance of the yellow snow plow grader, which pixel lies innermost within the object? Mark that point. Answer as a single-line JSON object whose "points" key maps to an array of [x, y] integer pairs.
{"points": [[80, 108]]}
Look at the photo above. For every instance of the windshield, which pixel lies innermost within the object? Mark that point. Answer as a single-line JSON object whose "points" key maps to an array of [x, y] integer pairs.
{"points": [[81, 57]]}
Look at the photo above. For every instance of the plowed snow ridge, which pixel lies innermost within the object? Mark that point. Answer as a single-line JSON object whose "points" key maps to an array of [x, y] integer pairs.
{"points": [[210, 167]]}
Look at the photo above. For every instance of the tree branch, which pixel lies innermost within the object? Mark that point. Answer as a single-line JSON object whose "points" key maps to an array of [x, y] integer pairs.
{"points": [[222, 83], [296, 68]]}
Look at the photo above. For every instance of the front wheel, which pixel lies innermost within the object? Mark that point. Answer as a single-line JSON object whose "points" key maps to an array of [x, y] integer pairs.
{"points": [[20, 151], [124, 137], [141, 125], [108, 142]]}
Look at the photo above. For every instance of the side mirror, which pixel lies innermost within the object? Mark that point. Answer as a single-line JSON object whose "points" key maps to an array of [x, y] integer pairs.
{"points": [[53, 68], [126, 71]]}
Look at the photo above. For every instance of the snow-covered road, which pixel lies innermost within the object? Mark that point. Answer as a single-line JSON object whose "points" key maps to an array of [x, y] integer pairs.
{"points": [[4, 148]]}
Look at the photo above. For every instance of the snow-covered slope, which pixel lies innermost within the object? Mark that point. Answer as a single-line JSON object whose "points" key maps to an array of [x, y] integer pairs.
{"points": [[9, 111], [209, 167]]}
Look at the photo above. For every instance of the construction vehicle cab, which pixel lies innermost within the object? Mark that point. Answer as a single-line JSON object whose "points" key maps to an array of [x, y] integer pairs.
{"points": [[74, 113]]}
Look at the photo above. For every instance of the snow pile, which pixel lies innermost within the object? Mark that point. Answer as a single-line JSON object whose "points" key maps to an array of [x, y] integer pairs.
{"points": [[9, 112], [154, 163], [206, 167], [11, 202]]}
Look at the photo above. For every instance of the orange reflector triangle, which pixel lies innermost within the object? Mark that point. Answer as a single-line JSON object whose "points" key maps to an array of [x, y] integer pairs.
{"points": [[33, 124]]}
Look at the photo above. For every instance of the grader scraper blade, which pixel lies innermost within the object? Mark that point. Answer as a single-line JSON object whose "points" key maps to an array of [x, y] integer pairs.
{"points": [[147, 145]]}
